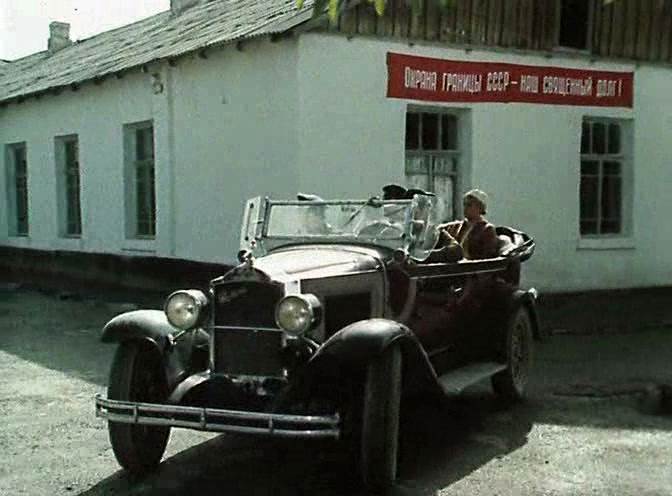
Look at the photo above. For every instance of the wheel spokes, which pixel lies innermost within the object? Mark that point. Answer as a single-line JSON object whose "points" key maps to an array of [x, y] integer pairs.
{"points": [[519, 355]]}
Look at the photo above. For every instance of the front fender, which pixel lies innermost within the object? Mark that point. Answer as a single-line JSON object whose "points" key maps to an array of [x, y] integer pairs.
{"points": [[341, 361], [357, 343], [187, 356], [140, 325]]}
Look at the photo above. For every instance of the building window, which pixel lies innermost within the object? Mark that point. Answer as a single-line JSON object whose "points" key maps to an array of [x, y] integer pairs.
{"points": [[140, 184], [17, 189], [574, 24], [69, 189], [433, 154], [606, 178]]}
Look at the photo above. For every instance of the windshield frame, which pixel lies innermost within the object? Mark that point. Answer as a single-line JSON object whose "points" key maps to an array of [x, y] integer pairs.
{"points": [[258, 239], [278, 240]]}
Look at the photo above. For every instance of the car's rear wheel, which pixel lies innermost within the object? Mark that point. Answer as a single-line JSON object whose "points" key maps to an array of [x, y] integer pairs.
{"points": [[137, 375], [511, 383], [380, 420]]}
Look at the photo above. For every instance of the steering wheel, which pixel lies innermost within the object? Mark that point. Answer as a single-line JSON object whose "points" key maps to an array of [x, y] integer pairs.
{"points": [[381, 230]]}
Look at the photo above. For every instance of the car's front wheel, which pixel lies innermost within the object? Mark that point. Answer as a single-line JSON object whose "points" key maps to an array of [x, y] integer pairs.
{"points": [[137, 375], [511, 383], [380, 420]]}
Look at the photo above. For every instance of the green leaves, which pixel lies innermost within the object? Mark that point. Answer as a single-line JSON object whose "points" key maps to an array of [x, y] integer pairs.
{"points": [[379, 5], [334, 6], [333, 9]]}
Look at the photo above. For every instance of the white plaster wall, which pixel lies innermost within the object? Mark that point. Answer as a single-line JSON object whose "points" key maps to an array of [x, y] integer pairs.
{"points": [[312, 115], [224, 130], [96, 114], [235, 137], [653, 162], [526, 156]]}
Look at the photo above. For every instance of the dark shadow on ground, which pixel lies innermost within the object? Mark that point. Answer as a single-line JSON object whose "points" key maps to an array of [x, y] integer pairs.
{"points": [[60, 330], [441, 444], [625, 371], [431, 458]]}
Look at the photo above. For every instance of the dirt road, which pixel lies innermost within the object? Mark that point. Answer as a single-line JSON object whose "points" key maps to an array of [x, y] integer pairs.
{"points": [[584, 430]]}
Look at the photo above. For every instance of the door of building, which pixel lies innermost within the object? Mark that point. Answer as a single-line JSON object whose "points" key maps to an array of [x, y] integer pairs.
{"points": [[433, 156]]}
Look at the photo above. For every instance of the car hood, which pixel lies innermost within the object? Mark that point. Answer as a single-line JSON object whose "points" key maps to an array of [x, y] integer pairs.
{"points": [[312, 261]]}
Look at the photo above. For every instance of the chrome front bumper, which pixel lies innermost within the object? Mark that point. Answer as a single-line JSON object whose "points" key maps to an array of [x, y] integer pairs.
{"points": [[217, 420]]}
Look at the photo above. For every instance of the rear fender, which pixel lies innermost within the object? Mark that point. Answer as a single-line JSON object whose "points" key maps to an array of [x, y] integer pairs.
{"points": [[528, 300], [151, 328]]}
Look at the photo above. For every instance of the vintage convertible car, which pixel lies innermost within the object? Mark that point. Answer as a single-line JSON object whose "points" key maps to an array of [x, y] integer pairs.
{"points": [[331, 319]]}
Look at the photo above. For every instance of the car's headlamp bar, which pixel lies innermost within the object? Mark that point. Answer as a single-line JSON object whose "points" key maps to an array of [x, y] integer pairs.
{"points": [[297, 314], [185, 309]]}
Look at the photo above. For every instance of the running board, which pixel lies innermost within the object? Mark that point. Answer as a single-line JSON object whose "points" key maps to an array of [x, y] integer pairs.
{"points": [[454, 382]]}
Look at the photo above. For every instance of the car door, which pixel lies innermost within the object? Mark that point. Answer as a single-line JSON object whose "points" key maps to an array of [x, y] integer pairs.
{"points": [[432, 318]]}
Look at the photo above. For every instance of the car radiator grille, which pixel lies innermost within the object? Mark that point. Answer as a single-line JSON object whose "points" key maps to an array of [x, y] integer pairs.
{"points": [[248, 352], [246, 341], [246, 304]]}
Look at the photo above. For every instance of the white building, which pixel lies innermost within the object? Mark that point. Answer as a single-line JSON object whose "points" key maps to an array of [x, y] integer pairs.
{"points": [[146, 140]]}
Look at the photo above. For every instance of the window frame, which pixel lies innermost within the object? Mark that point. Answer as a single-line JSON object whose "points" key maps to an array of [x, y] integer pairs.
{"points": [[69, 202], [588, 48], [458, 154], [136, 168], [18, 226], [623, 238]]}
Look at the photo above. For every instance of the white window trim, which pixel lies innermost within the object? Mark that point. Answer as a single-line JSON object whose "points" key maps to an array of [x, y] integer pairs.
{"points": [[606, 243], [626, 239], [133, 241], [462, 153], [139, 246], [61, 184], [10, 182]]}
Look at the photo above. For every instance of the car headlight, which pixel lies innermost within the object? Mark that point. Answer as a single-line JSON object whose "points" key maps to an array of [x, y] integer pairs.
{"points": [[185, 308], [297, 314]]}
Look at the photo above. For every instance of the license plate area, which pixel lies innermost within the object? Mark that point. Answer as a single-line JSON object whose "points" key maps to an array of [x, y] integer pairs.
{"points": [[248, 352]]}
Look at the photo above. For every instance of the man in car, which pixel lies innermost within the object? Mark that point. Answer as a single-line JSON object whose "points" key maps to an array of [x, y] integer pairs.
{"points": [[478, 240], [445, 247], [472, 238], [474, 233]]}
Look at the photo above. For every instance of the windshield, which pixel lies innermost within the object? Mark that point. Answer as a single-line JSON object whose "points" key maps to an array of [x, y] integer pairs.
{"points": [[333, 220], [407, 224]]}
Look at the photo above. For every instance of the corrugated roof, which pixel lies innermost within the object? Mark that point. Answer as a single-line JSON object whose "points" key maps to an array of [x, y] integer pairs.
{"points": [[161, 36]]}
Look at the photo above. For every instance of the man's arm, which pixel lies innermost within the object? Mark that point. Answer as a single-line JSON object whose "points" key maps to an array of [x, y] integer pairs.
{"points": [[446, 250], [452, 228]]}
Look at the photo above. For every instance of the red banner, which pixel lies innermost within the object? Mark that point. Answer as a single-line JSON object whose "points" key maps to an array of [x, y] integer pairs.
{"points": [[438, 80]]}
